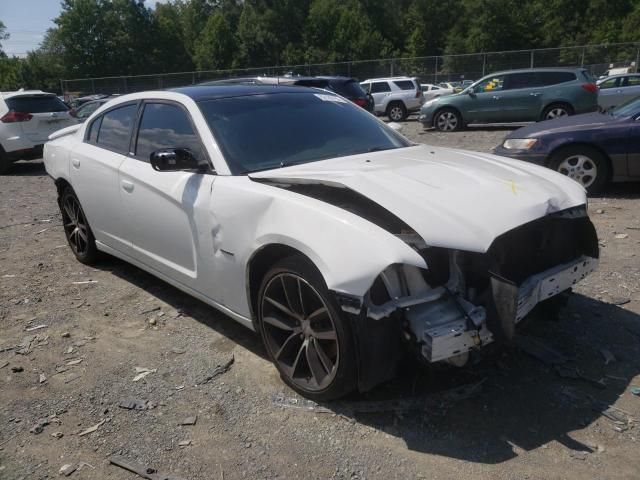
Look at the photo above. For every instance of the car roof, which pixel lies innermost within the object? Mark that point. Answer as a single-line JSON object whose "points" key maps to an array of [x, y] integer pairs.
{"points": [[381, 79], [531, 70], [22, 92], [213, 92]]}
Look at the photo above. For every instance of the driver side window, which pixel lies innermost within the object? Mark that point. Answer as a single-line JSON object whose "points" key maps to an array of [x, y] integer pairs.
{"points": [[165, 125], [491, 84]]}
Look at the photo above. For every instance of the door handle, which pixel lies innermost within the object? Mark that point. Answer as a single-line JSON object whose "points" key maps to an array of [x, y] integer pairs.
{"points": [[75, 162], [127, 186], [535, 94], [496, 97]]}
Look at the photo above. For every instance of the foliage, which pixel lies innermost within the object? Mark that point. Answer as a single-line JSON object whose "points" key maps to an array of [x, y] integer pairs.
{"points": [[122, 37]]}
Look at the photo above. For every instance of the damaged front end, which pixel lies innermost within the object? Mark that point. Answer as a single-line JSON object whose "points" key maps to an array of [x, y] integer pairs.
{"points": [[465, 300]]}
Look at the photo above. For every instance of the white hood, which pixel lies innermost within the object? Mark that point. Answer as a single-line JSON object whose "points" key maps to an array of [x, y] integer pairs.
{"points": [[451, 198]]}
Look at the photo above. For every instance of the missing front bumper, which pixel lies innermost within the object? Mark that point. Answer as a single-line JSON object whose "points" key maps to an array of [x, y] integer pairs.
{"points": [[445, 328]]}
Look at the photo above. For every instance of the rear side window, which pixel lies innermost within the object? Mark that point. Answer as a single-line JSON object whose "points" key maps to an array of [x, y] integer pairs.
{"points": [[405, 84], [553, 78], [349, 89], [36, 104], [166, 126], [523, 80], [378, 87], [115, 130], [631, 82]]}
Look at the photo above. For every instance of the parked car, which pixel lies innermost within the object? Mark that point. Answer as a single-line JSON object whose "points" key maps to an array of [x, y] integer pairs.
{"points": [[616, 71], [617, 90], [514, 96], [78, 102], [430, 91], [348, 87], [86, 109], [395, 97], [593, 149], [27, 118], [340, 241]]}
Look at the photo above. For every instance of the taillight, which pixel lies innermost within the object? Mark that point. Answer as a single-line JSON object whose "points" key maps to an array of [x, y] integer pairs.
{"points": [[418, 93], [73, 112], [590, 87], [361, 102], [13, 117]]}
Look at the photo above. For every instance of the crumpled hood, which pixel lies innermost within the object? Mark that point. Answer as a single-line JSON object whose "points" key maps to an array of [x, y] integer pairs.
{"points": [[451, 198], [564, 124]]}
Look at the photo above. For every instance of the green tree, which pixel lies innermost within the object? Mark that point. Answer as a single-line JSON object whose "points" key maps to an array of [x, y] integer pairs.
{"points": [[216, 47]]}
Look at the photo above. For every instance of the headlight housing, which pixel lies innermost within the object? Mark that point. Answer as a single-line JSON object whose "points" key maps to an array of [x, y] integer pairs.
{"points": [[519, 143]]}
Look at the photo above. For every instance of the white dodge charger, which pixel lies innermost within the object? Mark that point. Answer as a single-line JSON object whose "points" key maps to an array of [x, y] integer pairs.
{"points": [[307, 219]]}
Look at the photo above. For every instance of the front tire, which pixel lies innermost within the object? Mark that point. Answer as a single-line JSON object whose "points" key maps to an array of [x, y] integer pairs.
{"points": [[77, 229], [584, 164], [5, 163], [306, 336], [447, 120]]}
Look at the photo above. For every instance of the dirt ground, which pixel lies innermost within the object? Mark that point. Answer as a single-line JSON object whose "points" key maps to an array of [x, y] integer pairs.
{"points": [[525, 419]]}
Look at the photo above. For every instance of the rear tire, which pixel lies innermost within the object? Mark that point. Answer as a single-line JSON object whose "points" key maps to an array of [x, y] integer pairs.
{"points": [[305, 334], [77, 229], [583, 164], [396, 112], [557, 110]]}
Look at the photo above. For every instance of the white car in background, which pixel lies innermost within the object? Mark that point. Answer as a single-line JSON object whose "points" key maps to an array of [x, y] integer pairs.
{"points": [[344, 244], [395, 97], [617, 89], [27, 118], [430, 91]]}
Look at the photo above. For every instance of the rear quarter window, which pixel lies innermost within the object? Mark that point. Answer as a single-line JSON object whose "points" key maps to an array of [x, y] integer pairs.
{"points": [[36, 104], [554, 78]]}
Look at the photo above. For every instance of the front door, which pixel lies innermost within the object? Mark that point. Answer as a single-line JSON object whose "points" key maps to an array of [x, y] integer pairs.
{"points": [[169, 212], [485, 104]]}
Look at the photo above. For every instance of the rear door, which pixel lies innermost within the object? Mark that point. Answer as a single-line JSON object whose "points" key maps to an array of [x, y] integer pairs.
{"points": [[94, 174], [521, 98], [167, 212], [48, 112]]}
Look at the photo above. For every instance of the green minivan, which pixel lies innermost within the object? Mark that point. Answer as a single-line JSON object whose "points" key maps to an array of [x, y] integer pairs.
{"points": [[514, 96]]}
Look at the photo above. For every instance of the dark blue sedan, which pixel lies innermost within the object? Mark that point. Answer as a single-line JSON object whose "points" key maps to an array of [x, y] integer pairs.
{"points": [[593, 149]]}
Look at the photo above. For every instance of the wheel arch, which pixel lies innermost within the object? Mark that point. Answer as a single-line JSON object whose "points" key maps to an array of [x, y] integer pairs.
{"points": [[61, 184], [567, 146], [259, 264]]}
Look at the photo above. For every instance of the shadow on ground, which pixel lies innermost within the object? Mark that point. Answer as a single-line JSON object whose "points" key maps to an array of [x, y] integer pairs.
{"points": [[32, 168], [523, 405]]}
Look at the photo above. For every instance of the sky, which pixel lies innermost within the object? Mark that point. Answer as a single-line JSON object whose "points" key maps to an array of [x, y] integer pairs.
{"points": [[28, 20]]}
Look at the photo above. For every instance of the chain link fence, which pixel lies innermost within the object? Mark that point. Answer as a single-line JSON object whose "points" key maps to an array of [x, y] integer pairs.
{"points": [[435, 69]]}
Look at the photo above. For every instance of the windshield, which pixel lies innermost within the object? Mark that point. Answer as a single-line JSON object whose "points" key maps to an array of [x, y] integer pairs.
{"points": [[627, 109], [261, 132]]}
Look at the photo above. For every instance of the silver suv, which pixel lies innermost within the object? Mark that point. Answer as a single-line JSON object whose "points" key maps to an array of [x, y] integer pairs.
{"points": [[27, 118], [395, 97]]}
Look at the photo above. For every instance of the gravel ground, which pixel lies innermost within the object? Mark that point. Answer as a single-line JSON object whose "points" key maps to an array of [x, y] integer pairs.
{"points": [[104, 324]]}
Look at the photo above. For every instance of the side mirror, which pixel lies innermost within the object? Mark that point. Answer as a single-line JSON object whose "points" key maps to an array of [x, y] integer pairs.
{"points": [[395, 126], [173, 160], [471, 91]]}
